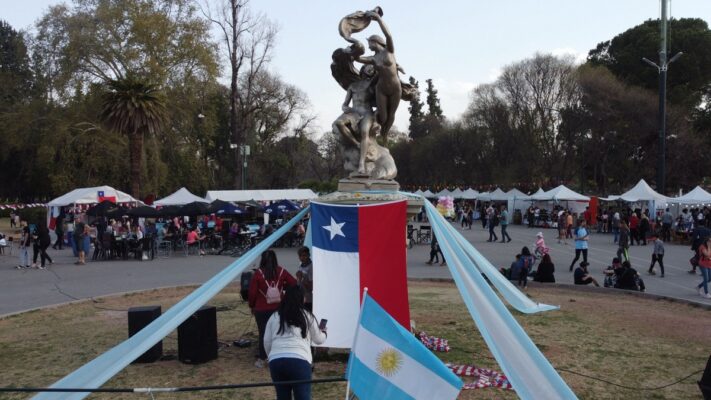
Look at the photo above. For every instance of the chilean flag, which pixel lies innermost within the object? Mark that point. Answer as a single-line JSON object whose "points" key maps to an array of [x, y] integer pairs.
{"points": [[102, 197], [355, 247]]}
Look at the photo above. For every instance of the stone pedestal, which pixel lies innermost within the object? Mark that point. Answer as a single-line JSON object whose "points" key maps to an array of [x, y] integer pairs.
{"points": [[357, 191]]}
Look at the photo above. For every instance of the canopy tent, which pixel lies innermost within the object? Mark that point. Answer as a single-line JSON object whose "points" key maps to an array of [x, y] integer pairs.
{"points": [[221, 207], [496, 195], [470, 194], [101, 209], [181, 197], [278, 209], [642, 192], [92, 195], [539, 192], [419, 192], [195, 208], [443, 193], [696, 196], [457, 193], [428, 194], [143, 212], [261, 195], [561, 193], [517, 194]]}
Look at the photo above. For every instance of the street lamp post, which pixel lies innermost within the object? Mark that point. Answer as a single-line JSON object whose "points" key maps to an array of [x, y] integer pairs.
{"points": [[244, 152], [662, 69]]}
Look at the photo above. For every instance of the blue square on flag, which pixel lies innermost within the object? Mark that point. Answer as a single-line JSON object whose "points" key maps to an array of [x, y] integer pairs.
{"points": [[335, 228]]}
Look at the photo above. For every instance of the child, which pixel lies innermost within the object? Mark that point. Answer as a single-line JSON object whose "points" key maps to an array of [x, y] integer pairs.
{"points": [[541, 248], [657, 255]]}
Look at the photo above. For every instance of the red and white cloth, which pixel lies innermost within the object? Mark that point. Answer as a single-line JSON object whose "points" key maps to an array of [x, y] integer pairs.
{"points": [[434, 343], [484, 378]]}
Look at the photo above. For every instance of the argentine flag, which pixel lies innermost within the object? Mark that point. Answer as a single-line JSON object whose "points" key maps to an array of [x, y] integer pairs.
{"points": [[388, 362]]}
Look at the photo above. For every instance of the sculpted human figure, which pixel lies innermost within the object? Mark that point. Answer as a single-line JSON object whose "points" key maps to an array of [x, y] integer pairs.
{"points": [[388, 90]]}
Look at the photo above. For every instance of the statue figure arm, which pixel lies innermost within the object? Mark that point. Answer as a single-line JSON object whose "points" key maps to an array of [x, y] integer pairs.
{"points": [[386, 32], [364, 60], [346, 103]]}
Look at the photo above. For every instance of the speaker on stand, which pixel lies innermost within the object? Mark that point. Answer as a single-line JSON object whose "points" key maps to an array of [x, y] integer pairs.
{"points": [[139, 318], [197, 337]]}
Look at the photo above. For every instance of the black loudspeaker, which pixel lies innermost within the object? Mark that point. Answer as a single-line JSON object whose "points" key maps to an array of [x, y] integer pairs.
{"points": [[197, 337], [705, 382], [139, 318], [244, 281]]}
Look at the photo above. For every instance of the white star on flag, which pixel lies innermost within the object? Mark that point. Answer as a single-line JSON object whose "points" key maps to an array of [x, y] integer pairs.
{"points": [[334, 228]]}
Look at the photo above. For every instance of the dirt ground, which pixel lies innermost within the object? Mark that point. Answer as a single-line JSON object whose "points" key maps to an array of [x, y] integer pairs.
{"points": [[626, 340]]}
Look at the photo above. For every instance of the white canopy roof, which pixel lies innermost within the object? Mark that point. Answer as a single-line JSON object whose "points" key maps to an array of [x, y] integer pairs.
{"points": [[181, 197], [470, 194], [428, 194], [419, 192], [517, 194], [457, 193], [696, 196], [261, 195], [444, 192], [539, 192], [90, 195], [561, 193], [496, 195], [642, 192]]}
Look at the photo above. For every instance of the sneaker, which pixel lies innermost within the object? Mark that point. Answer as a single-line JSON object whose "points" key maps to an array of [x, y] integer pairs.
{"points": [[706, 296], [259, 363], [701, 291], [34, 265], [428, 262], [41, 267], [652, 273], [18, 266], [692, 271]]}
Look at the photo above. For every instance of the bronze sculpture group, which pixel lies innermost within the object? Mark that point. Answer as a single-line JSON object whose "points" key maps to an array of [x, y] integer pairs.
{"points": [[376, 84]]}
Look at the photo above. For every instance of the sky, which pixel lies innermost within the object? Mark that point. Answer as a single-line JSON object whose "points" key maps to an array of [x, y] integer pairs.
{"points": [[459, 44]]}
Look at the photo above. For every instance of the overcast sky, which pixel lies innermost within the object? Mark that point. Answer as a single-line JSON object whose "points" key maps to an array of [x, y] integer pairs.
{"points": [[459, 44]]}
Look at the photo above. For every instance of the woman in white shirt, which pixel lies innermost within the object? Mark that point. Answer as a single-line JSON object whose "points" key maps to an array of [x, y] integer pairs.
{"points": [[287, 340]]}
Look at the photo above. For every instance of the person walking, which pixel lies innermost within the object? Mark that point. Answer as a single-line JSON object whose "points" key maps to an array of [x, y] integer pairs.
{"points": [[667, 220], [581, 243], [25, 243], [634, 229], [13, 224], [616, 219], [305, 277], [265, 293], [643, 229], [504, 217], [562, 218], [705, 267], [59, 231], [493, 221], [435, 252], [288, 336], [623, 244], [568, 224], [657, 256]]}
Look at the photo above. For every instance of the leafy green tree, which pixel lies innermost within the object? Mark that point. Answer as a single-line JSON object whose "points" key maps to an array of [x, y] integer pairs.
{"points": [[686, 77], [417, 116], [135, 109], [434, 109], [15, 73]]}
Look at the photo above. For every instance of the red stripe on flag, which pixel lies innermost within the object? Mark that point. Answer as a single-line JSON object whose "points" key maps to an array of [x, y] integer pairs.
{"points": [[383, 257]]}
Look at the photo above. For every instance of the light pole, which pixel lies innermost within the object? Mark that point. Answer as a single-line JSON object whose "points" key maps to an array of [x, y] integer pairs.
{"points": [[662, 69], [244, 152]]}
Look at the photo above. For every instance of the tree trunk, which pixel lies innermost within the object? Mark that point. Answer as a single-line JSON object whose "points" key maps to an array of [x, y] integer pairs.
{"points": [[135, 150], [234, 129]]}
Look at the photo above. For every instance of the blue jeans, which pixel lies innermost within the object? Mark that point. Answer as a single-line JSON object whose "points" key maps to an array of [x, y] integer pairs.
{"points": [[291, 369], [706, 274], [616, 233]]}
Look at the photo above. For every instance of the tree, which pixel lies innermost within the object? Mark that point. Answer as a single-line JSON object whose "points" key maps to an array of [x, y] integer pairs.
{"points": [[434, 119], [135, 109], [686, 77], [15, 73], [417, 116]]}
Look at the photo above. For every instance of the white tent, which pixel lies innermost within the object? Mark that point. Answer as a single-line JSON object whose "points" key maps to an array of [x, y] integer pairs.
{"points": [[514, 195], [457, 193], [561, 193], [444, 192], [181, 197], [496, 195], [428, 194], [643, 192], [91, 195], [517, 194], [696, 196], [419, 192], [261, 195], [470, 194]]}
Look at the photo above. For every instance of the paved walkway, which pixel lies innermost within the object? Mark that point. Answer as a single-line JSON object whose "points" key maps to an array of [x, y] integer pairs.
{"points": [[27, 289]]}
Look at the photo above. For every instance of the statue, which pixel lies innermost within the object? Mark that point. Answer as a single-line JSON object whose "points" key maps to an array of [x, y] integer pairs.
{"points": [[378, 84]]}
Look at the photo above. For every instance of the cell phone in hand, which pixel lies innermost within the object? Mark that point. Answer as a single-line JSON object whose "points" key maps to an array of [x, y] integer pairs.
{"points": [[322, 324]]}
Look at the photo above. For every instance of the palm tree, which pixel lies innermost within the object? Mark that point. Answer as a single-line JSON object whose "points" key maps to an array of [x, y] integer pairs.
{"points": [[134, 108]]}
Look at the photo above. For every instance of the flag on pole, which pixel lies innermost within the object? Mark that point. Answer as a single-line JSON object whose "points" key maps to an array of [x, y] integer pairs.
{"points": [[388, 362], [354, 247]]}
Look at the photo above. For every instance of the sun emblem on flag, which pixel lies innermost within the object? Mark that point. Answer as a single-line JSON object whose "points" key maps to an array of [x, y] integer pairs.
{"points": [[389, 362]]}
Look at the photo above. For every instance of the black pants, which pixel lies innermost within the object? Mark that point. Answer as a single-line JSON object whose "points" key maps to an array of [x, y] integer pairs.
{"points": [[262, 317], [60, 240], [492, 232], [657, 258], [35, 253], [666, 232], [577, 256], [434, 255]]}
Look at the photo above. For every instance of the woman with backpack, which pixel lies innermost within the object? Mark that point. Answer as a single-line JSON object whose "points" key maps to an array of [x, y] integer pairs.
{"points": [[705, 267], [289, 334], [265, 293]]}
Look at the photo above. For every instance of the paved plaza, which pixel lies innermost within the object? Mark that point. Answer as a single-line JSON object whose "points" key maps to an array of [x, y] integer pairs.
{"points": [[62, 282]]}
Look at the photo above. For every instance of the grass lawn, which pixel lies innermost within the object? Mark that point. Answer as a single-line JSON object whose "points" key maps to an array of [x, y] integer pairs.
{"points": [[628, 340]]}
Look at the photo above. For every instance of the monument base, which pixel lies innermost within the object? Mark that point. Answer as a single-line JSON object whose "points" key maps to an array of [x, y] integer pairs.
{"points": [[355, 184]]}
